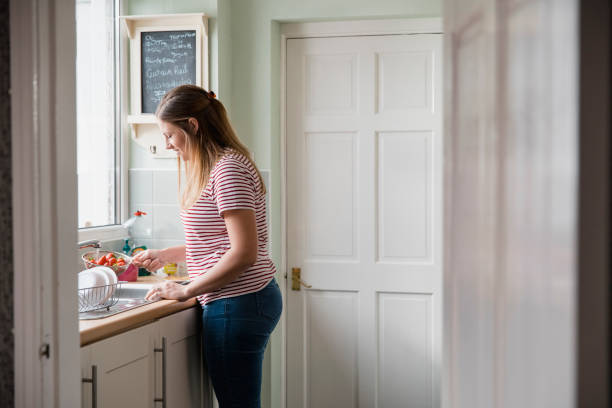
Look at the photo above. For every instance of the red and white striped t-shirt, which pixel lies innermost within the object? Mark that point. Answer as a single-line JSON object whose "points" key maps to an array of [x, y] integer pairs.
{"points": [[233, 184]]}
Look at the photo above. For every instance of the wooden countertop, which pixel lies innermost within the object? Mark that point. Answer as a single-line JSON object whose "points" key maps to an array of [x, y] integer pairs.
{"points": [[98, 329]]}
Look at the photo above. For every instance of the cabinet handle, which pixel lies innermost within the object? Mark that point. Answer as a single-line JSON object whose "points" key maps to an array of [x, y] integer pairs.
{"points": [[163, 351], [94, 385]]}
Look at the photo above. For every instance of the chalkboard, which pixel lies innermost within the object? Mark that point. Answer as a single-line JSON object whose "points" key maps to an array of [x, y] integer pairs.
{"points": [[168, 59]]}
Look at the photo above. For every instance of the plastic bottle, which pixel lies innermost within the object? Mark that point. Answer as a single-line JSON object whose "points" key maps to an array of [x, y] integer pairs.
{"points": [[126, 248]]}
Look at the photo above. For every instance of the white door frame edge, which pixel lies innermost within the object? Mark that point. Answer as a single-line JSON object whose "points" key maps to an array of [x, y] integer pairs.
{"points": [[43, 130]]}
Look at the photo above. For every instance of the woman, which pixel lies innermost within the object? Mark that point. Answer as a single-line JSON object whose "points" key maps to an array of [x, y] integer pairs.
{"points": [[226, 239]]}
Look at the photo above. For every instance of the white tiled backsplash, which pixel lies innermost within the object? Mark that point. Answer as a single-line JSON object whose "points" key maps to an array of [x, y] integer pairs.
{"points": [[155, 191]]}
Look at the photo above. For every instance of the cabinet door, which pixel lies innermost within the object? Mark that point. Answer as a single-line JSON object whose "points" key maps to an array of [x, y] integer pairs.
{"points": [[125, 367], [186, 382], [87, 378]]}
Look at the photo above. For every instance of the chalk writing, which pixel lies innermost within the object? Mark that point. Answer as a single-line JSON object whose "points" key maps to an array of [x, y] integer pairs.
{"points": [[168, 59]]}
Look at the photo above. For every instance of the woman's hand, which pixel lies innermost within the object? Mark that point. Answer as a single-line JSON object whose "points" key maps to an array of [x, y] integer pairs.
{"points": [[150, 259], [168, 290]]}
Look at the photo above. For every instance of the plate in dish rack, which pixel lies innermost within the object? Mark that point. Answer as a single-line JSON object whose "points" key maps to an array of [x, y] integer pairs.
{"points": [[96, 285]]}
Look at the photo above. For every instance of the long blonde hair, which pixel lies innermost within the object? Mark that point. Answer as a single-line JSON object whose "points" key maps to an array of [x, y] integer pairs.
{"points": [[205, 145]]}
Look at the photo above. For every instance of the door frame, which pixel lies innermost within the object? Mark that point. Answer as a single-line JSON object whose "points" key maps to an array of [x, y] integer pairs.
{"points": [[593, 234], [318, 30], [44, 199]]}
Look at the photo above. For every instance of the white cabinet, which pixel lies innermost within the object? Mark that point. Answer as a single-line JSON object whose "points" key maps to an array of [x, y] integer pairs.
{"points": [[147, 365], [120, 369], [186, 384]]}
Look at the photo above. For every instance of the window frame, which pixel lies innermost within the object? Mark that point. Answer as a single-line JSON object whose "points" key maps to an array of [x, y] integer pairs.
{"points": [[116, 231]]}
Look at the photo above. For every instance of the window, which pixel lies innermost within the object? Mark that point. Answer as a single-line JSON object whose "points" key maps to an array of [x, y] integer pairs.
{"points": [[98, 135]]}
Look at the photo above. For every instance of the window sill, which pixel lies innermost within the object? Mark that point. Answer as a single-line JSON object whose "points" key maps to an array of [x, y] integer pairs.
{"points": [[106, 233]]}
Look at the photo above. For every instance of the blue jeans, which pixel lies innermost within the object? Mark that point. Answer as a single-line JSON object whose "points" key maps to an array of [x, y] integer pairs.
{"points": [[235, 333]]}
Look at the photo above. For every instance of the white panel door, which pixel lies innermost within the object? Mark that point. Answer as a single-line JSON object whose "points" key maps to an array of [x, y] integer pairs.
{"points": [[364, 197]]}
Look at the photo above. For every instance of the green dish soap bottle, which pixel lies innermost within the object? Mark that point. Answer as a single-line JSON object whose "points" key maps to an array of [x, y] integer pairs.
{"points": [[126, 248]]}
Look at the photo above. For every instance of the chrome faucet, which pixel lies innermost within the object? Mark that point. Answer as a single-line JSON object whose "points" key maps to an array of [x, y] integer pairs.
{"points": [[92, 243]]}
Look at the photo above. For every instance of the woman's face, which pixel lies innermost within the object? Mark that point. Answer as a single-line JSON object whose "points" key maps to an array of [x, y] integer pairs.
{"points": [[175, 139]]}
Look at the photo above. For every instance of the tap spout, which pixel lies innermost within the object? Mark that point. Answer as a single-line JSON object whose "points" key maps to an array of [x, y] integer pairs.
{"points": [[92, 243]]}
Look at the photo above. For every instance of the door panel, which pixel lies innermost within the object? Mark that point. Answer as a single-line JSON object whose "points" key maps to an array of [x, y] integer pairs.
{"points": [[330, 194], [403, 199], [331, 84], [405, 350], [364, 194], [404, 81], [331, 360]]}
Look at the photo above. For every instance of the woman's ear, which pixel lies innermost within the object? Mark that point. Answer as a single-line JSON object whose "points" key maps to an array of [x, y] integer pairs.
{"points": [[193, 122]]}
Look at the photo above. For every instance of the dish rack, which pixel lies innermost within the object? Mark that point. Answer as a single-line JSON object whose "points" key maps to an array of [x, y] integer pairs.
{"points": [[98, 297]]}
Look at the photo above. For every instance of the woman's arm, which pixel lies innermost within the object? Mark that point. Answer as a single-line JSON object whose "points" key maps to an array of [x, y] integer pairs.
{"points": [[242, 231], [153, 259], [173, 254]]}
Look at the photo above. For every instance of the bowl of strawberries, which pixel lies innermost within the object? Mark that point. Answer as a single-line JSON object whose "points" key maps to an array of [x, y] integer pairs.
{"points": [[118, 262]]}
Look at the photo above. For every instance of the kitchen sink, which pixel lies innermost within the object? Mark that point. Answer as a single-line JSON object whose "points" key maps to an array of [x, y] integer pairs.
{"points": [[129, 295], [133, 290]]}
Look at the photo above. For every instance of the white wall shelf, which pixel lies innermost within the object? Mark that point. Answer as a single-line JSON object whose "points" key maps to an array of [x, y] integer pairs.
{"points": [[145, 133], [161, 76]]}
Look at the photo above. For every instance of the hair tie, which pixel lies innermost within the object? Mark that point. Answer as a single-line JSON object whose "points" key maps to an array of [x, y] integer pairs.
{"points": [[208, 94]]}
